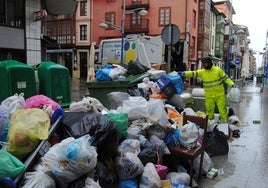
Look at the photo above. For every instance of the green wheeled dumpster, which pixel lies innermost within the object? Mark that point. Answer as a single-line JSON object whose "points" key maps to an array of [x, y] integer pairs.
{"points": [[54, 82], [259, 78], [16, 77], [100, 89]]}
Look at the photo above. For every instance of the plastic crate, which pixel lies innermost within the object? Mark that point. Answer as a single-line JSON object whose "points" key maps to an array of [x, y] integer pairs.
{"points": [[166, 86]]}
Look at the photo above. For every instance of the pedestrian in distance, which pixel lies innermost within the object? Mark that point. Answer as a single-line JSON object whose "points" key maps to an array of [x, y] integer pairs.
{"points": [[213, 79]]}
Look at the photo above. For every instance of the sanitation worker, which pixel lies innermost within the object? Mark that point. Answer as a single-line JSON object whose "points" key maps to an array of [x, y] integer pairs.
{"points": [[213, 83]]}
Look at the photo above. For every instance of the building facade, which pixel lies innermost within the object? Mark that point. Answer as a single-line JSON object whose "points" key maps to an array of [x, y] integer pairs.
{"points": [[182, 13], [19, 33], [236, 43], [65, 35]]}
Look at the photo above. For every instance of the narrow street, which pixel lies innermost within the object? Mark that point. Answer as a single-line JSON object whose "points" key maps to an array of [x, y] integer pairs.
{"points": [[245, 166], [78, 89]]}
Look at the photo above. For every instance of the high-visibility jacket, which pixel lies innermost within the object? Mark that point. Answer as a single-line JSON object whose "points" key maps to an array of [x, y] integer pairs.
{"points": [[213, 83], [213, 80]]}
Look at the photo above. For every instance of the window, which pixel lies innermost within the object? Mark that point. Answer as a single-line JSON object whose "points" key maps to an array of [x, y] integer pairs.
{"points": [[12, 13], [136, 2], [212, 42], [2, 12], [66, 28], [110, 17], [83, 32], [194, 19], [136, 18], [66, 31], [193, 41], [192, 47], [164, 16], [200, 25], [83, 8]]}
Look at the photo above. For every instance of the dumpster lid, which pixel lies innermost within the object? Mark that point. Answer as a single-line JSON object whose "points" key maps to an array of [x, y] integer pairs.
{"points": [[130, 79], [136, 78]]}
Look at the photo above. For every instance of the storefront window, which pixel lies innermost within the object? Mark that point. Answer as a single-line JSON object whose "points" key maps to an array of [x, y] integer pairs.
{"points": [[12, 13]]}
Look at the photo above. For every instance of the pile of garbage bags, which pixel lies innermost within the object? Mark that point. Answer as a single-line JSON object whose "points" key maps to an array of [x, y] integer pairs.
{"points": [[125, 146], [24, 123]]}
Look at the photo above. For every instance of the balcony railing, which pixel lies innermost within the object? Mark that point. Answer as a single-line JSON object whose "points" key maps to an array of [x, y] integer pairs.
{"points": [[65, 39], [130, 4], [62, 31], [141, 26]]}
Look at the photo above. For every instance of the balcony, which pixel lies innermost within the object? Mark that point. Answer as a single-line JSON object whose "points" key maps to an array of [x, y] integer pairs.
{"points": [[62, 31], [130, 4], [141, 26]]}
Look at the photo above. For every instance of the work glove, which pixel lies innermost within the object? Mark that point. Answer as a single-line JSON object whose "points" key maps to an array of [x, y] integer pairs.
{"points": [[181, 73]]}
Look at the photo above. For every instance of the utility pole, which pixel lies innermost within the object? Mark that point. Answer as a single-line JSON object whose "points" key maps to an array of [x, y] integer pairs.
{"points": [[227, 65]]}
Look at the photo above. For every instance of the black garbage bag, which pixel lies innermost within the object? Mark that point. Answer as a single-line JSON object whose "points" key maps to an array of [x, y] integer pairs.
{"points": [[147, 153], [106, 177], [135, 68], [138, 92], [82, 181], [70, 118], [217, 143], [103, 131]]}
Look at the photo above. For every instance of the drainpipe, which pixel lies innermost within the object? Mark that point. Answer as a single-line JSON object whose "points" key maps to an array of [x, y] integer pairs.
{"points": [[91, 21], [227, 65], [187, 31]]}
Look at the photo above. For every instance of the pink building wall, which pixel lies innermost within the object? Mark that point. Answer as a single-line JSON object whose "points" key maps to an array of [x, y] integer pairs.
{"points": [[181, 13]]}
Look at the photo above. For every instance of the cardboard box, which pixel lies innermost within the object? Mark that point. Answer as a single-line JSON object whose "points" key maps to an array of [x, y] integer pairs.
{"points": [[212, 173]]}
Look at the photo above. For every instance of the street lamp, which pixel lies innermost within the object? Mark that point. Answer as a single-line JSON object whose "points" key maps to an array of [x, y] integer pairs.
{"points": [[106, 24]]}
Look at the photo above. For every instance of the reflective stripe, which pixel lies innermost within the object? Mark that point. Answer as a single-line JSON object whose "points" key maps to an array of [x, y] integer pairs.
{"points": [[225, 77], [207, 82], [194, 74], [214, 85]]}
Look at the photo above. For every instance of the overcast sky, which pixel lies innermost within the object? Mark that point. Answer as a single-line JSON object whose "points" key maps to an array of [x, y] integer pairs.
{"points": [[253, 14]]}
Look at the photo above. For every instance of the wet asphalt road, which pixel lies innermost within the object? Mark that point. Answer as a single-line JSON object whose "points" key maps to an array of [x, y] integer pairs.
{"points": [[246, 164]]}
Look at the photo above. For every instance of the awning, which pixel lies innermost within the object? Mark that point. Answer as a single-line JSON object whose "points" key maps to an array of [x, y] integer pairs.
{"points": [[245, 66], [60, 7], [60, 51]]}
